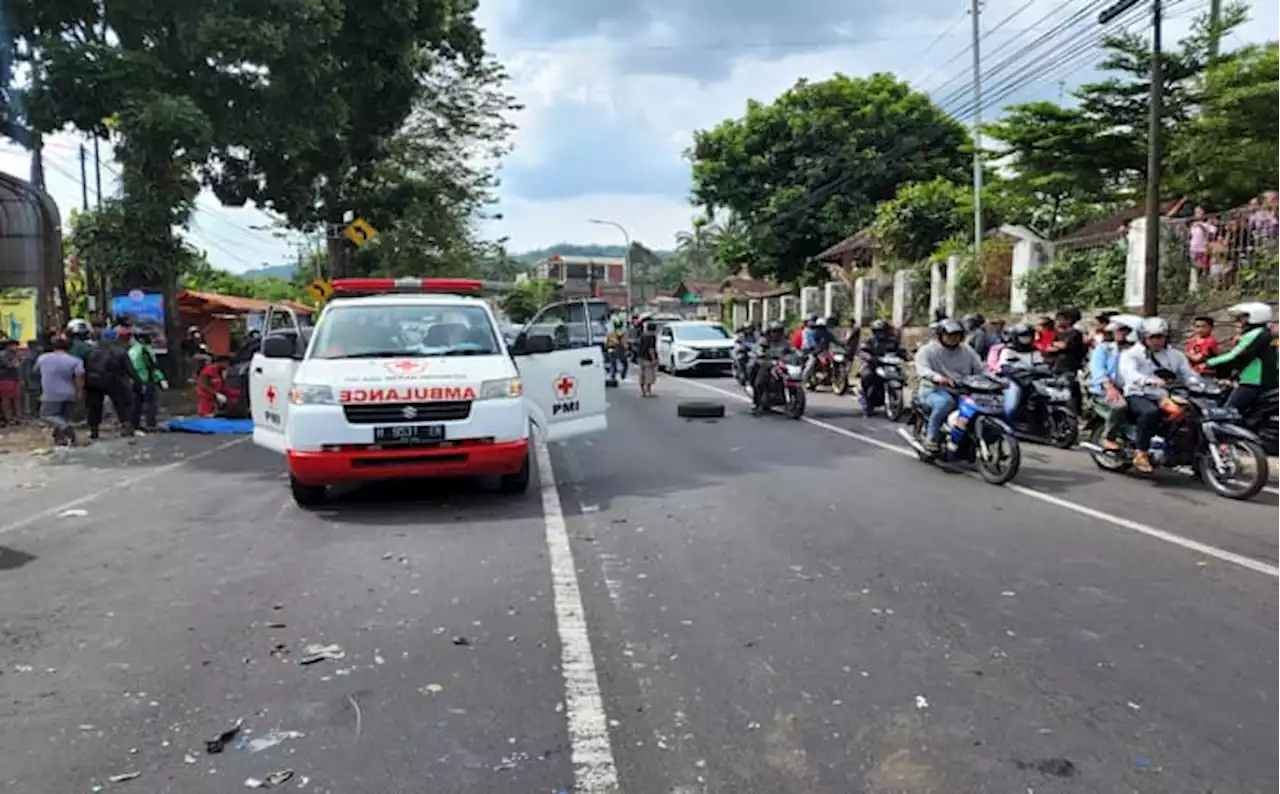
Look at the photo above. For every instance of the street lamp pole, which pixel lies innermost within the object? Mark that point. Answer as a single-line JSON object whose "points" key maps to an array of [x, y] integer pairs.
{"points": [[626, 256]]}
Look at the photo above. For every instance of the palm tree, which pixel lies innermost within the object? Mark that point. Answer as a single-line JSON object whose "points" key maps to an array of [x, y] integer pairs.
{"points": [[698, 246]]}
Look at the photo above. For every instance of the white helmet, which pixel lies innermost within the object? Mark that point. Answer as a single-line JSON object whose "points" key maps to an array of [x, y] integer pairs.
{"points": [[1155, 325], [1254, 313], [77, 327], [821, 322], [1131, 322]]}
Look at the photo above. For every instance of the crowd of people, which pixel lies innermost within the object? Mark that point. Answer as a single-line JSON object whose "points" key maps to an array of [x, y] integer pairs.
{"points": [[71, 375], [1130, 364]]}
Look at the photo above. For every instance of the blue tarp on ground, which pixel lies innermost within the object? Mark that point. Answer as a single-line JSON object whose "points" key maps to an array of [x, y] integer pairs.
{"points": [[210, 425]]}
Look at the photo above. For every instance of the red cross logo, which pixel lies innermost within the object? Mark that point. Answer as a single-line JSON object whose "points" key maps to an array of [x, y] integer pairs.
{"points": [[271, 394], [566, 387], [405, 367]]}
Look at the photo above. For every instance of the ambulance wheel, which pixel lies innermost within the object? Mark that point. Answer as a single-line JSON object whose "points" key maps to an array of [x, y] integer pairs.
{"points": [[307, 496], [517, 482]]}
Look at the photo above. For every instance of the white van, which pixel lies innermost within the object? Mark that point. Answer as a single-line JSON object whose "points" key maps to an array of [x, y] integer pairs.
{"points": [[416, 382]]}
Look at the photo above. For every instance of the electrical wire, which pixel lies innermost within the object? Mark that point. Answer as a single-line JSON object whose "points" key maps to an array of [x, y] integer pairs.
{"points": [[994, 29]]}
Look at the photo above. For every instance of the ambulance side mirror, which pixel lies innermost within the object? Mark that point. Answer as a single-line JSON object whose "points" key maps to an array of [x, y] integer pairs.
{"points": [[532, 344], [279, 347]]}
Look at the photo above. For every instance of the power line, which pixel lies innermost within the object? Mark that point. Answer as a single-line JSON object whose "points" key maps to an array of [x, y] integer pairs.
{"points": [[994, 29]]}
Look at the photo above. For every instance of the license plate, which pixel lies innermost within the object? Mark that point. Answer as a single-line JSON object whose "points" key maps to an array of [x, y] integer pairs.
{"points": [[408, 434]]}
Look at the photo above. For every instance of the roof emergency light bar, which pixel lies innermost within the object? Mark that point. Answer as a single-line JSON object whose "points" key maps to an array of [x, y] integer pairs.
{"points": [[450, 286]]}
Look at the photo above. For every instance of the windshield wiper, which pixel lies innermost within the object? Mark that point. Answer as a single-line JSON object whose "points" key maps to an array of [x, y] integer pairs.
{"points": [[384, 354], [468, 352]]}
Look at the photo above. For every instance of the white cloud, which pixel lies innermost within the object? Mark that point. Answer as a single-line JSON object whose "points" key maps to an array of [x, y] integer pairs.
{"points": [[649, 220]]}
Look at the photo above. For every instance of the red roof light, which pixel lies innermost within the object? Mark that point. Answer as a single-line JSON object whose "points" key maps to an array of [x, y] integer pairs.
{"points": [[441, 285]]}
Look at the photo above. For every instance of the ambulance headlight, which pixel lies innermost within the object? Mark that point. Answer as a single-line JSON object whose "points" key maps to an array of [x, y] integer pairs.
{"points": [[498, 389], [303, 394]]}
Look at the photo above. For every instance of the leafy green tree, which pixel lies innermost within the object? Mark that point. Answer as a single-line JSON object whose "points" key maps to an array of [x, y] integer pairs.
{"points": [[809, 169], [697, 249], [1228, 151], [524, 301]]}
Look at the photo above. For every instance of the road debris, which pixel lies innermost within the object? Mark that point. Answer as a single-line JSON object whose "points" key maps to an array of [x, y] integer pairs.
{"points": [[922, 702], [215, 746], [460, 640], [270, 781], [1050, 767], [270, 739], [124, 778], [73, 513], [431, 689], [189, 759], [319, 653]]}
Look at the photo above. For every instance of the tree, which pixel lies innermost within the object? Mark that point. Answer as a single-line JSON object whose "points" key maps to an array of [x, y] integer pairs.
{"points": [[809, 168], [919, 217], [524, 301], [1228, 152], [697, 248], [1059, 158]]}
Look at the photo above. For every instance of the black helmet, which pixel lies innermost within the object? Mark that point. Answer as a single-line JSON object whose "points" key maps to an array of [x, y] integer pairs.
{"points": [[948, 325], [813, 318], [973, 322], [1022, 336], [775, 327], [878, 326]]}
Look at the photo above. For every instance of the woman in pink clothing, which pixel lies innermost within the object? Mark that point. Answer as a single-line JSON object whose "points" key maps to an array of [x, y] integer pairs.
{"points": [[1201, 229]]}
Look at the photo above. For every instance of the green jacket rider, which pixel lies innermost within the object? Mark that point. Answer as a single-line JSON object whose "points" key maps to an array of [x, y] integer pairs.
{"points": [[1253, 357]]}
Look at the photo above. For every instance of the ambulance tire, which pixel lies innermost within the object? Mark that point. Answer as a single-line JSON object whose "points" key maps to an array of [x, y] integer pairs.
{"points": [[517, 482], [700, 409], [307, 496]]}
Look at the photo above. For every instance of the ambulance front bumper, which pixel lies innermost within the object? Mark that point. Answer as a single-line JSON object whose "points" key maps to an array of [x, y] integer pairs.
{"points": [[323, 448]]}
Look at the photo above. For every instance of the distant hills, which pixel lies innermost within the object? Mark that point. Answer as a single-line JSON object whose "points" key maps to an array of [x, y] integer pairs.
{"points": [[278, 271]]}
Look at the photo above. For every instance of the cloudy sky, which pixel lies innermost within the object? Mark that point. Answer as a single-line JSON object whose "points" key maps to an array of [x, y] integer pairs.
{"points": [[613, 90]]}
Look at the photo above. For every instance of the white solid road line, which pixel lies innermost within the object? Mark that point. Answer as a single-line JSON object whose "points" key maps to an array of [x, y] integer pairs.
{"points": [[1119, 521], [594, 769], [126, 483]]}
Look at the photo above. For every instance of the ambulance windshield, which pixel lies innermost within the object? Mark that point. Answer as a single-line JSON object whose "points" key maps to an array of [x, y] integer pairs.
{"points": [[380, 331]]}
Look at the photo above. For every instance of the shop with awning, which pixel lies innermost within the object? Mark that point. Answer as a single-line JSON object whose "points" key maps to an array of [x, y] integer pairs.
{"points": [[224, 320]]}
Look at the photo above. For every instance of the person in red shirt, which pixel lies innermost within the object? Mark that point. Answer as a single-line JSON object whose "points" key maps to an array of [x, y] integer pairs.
{"points": [[1201, 346], [211, 394], [1045, 336], [797, 338]]}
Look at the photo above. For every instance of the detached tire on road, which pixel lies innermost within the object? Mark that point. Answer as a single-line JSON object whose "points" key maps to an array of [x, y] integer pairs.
{"points": [[307, 496], [700, 409]]}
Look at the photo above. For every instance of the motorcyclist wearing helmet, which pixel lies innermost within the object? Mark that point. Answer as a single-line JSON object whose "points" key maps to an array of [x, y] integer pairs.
{"points": [[1104, 373], [1253, 359], [822, 339], [1019, 353], [975, 327], [1146, 370], [809, 335], [882, 342], [940, 364], [80, 333], [774, 346]]}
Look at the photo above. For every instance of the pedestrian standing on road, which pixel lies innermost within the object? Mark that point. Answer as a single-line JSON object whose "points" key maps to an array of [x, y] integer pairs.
{"points": [[148, 382], [108, 374], [615, 346], [29, 379], [10, 383], [647, 353], [61, 384]]}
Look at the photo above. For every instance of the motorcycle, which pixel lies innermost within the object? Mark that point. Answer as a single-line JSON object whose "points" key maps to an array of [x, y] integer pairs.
{"points": [[974, 433], [1042, 414], [1197, 432], [1263, 418], [889, 369], [786, 387], [830, 369], [741, 359]]}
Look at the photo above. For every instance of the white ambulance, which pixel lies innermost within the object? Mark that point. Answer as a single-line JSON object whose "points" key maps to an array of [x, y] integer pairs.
{"points": [[411, 378]]}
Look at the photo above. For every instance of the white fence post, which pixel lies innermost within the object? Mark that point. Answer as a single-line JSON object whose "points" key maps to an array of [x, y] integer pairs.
{"points": [[901, 298], [1135, 265], [828, 299], [953, 268], [808, 301]]}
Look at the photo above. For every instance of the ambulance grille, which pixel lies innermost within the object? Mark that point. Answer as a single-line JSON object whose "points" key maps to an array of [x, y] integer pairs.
{"points": [[407, 413]]}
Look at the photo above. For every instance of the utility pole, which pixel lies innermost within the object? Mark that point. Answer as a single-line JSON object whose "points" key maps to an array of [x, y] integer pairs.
{"points": [[1215, 29], [977, 138], [84, 182], [97, 172], [626, 256], [1151, 251]]}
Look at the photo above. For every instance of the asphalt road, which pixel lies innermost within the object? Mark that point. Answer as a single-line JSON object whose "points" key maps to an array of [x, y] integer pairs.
{"points": [[741, 605]]}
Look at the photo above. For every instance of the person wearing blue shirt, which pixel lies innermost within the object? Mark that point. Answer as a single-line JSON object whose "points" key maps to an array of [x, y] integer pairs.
{"points": [[809, 336], [1104, 374]]}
